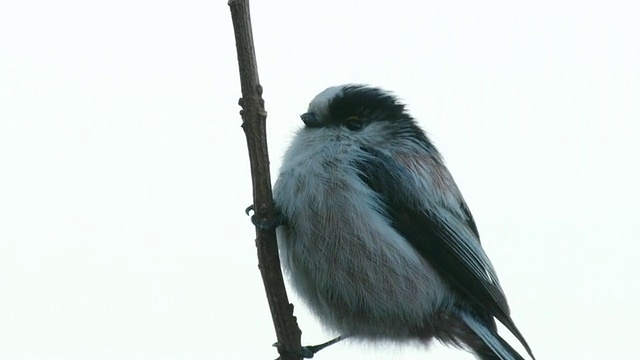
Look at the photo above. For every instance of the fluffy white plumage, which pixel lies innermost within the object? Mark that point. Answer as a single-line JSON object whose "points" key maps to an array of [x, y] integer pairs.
{"points": [[364, 193], [355, 271]]}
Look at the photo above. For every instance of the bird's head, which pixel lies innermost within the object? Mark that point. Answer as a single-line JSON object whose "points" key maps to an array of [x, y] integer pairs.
{"points": [[368, 115]]}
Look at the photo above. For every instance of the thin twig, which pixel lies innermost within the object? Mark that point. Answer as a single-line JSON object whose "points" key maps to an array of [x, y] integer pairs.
{"points": [[254, 125]]}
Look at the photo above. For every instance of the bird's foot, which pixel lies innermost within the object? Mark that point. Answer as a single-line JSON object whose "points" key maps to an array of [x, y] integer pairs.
{"points": [[263, 224], [307, 352]]}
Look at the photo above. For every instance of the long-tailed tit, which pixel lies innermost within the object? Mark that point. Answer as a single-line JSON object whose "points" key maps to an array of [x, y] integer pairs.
{"points": [[377, 238]]}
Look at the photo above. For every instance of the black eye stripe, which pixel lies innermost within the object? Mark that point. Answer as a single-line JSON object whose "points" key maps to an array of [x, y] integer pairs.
{"points": [[366, 102]]}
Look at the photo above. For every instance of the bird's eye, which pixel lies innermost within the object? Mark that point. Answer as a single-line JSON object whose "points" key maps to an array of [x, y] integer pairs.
{"points": [[353, 123]]}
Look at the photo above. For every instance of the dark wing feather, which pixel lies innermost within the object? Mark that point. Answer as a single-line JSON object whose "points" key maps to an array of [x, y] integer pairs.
{"points": [[447, 241], [470, 222]]}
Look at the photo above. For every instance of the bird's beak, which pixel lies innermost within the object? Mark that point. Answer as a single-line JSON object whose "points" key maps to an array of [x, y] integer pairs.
{"points": [[311, 120]]}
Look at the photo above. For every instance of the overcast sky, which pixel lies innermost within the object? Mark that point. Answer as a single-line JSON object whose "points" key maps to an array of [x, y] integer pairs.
{"points": [[124, 171]]}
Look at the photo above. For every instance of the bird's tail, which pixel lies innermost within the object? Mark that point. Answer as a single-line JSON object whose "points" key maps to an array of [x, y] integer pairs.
{"points": [[491, 346]]}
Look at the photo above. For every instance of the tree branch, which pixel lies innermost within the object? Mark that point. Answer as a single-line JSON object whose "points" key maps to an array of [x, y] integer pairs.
{"points": [[254, 125]]}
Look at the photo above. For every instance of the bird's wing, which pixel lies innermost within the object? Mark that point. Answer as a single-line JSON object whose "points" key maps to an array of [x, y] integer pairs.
{"points": [[471, 223], [447, 240]]}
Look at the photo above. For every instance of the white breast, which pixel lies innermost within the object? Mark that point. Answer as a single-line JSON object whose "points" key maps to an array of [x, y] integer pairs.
{"points": [[352, 268]]}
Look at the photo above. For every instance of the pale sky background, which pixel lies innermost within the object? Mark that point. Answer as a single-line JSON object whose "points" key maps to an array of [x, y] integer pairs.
{"points": [[124, 170]]}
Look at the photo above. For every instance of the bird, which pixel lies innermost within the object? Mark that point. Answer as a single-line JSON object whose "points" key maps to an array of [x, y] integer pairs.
{"points": [[376, 237]]}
